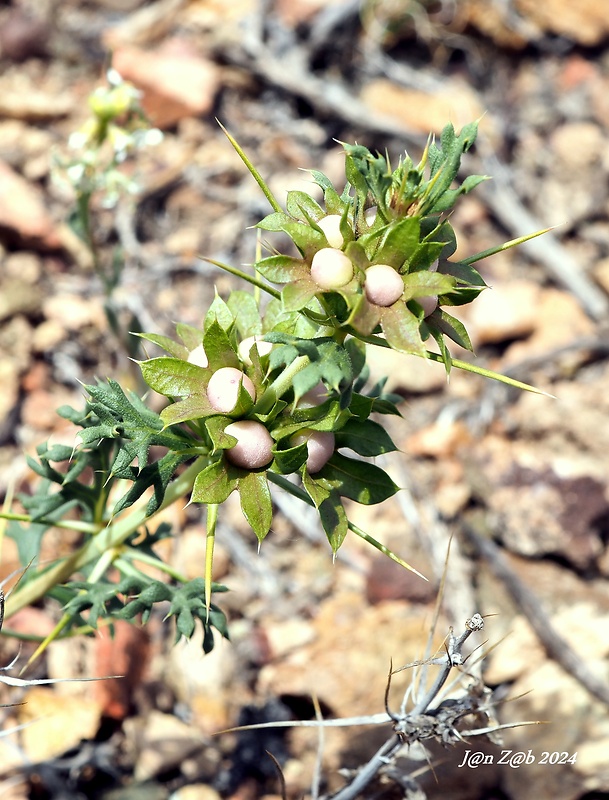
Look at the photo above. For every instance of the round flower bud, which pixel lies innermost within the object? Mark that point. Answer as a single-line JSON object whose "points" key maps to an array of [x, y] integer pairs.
{"points": [[223, 388], [383, 285], [429, 303], [320, 447], [370, 215], [254, 444], [198, 356], [314, 397], [330, 225], [331, 269], [263, 348]]}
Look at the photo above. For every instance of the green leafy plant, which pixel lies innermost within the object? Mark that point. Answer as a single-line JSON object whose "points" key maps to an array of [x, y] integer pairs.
{"points": [[260, 394]]}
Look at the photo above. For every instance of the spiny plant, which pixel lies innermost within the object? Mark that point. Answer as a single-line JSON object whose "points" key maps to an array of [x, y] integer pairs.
{"points": [[261, 394]]}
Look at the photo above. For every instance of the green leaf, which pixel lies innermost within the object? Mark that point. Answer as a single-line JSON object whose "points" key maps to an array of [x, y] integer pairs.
{"points": [[280, 269], [360, 481], [174, 349], [256, 502], [156, 475], [187, 605], [191, 336], [244, 309], [291, 459], [193, 407], [218, 347], [401, 329], [368, 174], [334, 520], [220, 313], [215, 483], [317, 487], [452, 327], [424, 283], [297, 295], [363, 405], [365, 437], [303, 207], [215, 427], [173, 377], [399, 242], [275, 222]]}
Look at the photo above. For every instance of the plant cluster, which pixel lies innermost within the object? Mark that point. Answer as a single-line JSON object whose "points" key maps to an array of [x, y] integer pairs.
{"points": [[262, 393]]}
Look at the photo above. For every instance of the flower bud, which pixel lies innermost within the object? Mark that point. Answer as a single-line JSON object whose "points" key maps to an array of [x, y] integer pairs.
{"points": [[330, 225], [223, 388], [320, 447], [331, 268], [198, 356], [263, 348], [383, 285], [254, 444], [429, 303]]}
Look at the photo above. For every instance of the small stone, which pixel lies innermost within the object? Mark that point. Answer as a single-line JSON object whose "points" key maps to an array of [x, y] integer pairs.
{"points": [[421, 111], [504, 312], [176, 81], [579, 145], [585, 22], [22, 209], [405, 373], [74, 312], [439, 440], [196, 791], [9, 380], [165, 742]]}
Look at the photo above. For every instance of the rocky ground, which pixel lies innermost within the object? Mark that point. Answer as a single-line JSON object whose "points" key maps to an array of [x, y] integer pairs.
{"points": [[516, 482]]}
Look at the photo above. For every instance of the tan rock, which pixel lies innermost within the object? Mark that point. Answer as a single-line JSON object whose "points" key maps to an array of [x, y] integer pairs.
{"points": [[578, 144], [58, 723], [345, 625], [74, 312], [585, 22], [196, 791], [9, 380], [176, 81], [439, 440], [601, 273], [505, 311], [295, 12], [405, 373], [420, 111], [164, 742], [519, 652], [559, 319], [22, 209]]}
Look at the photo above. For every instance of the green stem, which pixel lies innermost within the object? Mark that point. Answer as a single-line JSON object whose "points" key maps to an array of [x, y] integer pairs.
{"points": [[252, 169], [505, 246], [244, 276], [464, 365], [212, 519], [97, 572], [280, 385], [130, 554], [296, 491], [112, 536], [69, 525]]}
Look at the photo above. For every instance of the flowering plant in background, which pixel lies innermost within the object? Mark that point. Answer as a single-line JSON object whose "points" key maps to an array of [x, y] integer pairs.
{"points": [[262, 394]]}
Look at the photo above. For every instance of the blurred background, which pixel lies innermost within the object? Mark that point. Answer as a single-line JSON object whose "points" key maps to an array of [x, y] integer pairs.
{"points": [[290, 80]]}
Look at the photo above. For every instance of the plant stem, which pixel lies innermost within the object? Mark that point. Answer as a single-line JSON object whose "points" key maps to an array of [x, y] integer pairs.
{"points": [[281, 384], [112, 536], [68, 525]]}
